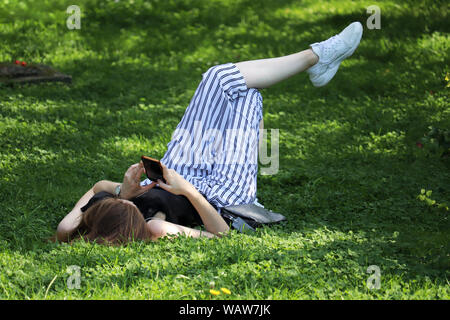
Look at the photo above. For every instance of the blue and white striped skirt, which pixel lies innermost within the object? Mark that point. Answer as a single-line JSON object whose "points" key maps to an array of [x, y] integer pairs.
{"points": [[215, 145]]}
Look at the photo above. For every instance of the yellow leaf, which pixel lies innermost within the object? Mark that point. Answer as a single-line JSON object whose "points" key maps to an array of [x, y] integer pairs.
{"points": [[225, 290], [214, 292]]}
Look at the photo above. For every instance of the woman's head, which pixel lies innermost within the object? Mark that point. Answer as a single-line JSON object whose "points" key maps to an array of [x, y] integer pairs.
{"points": [[113, 221]]}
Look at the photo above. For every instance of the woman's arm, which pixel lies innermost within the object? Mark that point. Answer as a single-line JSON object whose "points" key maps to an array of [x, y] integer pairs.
{"points": [[160, 228], [130, 189], [105, 185], [176, 184], [72, 220], [212, 220]]}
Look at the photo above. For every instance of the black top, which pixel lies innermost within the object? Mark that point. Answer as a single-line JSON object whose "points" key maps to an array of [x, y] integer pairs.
{"points": [[177, 208]]}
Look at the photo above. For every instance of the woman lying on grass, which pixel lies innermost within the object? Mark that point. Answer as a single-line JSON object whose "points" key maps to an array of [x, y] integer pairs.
{"points": [[211, 159]]}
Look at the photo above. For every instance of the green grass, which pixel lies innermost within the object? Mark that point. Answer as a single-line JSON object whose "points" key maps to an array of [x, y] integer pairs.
{"points": [[350, 170]]}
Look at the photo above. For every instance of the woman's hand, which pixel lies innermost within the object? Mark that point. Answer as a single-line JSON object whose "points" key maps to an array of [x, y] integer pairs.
{"points": [[175, 183], [131, 185]]}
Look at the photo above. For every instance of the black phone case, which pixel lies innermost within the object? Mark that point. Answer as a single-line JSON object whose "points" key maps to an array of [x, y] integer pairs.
{"points": [[151, 174]]}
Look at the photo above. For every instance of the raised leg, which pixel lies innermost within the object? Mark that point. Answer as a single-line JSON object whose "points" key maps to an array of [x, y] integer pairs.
{"points": [[321, 61], [264, 73]]}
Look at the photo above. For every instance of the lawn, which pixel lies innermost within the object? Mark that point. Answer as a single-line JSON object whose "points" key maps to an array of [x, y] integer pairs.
{"points": [[356, 187]]}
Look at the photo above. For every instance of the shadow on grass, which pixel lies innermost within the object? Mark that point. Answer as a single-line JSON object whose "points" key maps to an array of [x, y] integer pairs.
{"points": [[158, 19]]}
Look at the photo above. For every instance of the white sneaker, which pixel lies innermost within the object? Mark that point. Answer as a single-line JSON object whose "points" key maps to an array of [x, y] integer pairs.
{"points": [[332, 52]]}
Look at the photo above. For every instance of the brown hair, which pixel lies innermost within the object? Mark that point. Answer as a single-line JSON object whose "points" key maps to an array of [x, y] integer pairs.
{"points": [[112, 221]]}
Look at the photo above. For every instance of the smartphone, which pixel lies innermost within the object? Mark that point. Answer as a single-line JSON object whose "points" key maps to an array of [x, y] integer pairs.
{"points": [[153, 169]]}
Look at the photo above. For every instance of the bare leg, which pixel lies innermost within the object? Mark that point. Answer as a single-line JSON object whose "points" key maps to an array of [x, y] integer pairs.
{"points": [[264, 73], [321, 61]]}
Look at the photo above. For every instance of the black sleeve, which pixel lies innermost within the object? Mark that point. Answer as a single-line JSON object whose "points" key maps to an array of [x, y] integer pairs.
{"points": [[98, 196], [177, 208]]}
